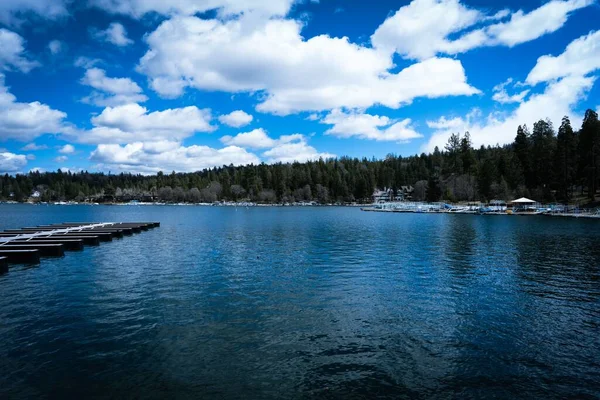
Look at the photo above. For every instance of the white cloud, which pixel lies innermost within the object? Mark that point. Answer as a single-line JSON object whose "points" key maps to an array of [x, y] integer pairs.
{"points": [[236, 119], [246, 55], [34, 147], [287, 148], [11, 163], [502, 96], [255, 139], [133, 123], [420, 29], [61, 159], [444, 123], [67, 149], [117, 91], [168, 156], [12, 11], [56, 46], [138, 8], [294, 148], [524, 27], [12, 52], [26, 121], [259, 139], [581, 57], [367, 126], [86, 62], [558, 100], [115, 34], [425, 28]]}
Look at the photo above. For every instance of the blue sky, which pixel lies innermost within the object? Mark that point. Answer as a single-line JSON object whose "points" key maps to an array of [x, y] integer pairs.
{"points": [[145, 85]]}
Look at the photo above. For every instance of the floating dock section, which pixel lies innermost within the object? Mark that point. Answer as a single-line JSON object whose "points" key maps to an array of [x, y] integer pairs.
{"points": [[27, 245]]}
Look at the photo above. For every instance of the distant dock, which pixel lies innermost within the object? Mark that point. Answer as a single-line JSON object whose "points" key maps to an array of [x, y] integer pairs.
{"points": [[444, 208], [27, 245]]}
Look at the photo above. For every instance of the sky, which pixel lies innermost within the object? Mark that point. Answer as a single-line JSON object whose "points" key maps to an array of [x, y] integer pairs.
{"points": [[143, 86]]}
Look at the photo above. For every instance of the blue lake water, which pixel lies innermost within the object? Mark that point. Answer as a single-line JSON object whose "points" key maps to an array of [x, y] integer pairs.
{"points": [[305, 303]]}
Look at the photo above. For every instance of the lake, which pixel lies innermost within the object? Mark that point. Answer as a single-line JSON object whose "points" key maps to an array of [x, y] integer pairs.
{"points": [[322, 302]]}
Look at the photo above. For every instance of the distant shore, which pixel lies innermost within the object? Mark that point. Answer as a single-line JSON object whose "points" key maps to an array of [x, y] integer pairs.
{"points": [[218, 204]]}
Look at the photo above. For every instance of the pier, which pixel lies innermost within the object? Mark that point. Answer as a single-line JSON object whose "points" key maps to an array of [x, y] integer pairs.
{"points": [[28, 244]]}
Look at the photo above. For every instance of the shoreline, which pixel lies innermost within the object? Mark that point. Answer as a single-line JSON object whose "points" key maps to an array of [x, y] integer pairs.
{"points": [[228, 204], [493, 213]]}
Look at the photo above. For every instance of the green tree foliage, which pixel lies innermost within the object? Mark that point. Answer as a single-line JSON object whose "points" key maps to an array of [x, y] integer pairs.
{"points": [[540, 165], [565, 159], [589, 152]]}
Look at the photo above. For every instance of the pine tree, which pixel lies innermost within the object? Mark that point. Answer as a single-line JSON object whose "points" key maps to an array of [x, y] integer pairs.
{"points": [[434, 191], [543, 143], [589, 151], [522, 148], [565, 160]]}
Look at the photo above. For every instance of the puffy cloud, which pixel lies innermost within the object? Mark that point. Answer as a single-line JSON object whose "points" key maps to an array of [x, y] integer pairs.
{"points": [[420, 29], [138, 8], [26, 121], [11, 11], [259, 139], [117, 91], [502, 97], [115, 34], [255, 139], [67, 149], [236, 119], [425, 28], [288, 148], [581, 57], [12, 52], [524, 27], [61, 159], [11, 163], [367, 126], [294, 148], [168, 156], [558, 99], [56, 46], [246, 55], [34, 147], [133, 123]]}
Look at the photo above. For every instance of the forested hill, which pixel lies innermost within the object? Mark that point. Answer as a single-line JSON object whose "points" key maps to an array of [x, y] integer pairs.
{"points": [[543, 164]]}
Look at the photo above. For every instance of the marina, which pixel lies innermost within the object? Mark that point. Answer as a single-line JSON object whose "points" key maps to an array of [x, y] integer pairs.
{"points": [[520, 207], [27, 245]]}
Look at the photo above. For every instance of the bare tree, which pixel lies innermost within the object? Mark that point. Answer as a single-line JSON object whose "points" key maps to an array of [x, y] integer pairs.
{"points": [[420, 191]]}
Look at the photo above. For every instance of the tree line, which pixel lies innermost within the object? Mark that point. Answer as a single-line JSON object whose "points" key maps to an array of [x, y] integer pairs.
{"points": [[542, 163]]}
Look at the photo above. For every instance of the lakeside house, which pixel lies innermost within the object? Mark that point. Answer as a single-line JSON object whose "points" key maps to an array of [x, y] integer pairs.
{"points": [[404, 193]]}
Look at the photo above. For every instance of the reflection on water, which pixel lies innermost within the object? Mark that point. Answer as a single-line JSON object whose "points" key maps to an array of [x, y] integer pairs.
{"points": [[304, 303]]}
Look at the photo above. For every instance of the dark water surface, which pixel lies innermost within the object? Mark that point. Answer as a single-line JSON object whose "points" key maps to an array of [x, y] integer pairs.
{"points": [[305, 303]]}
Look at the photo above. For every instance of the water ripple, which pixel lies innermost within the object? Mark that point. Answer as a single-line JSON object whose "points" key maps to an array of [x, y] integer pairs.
{"points": [[306, 303]]}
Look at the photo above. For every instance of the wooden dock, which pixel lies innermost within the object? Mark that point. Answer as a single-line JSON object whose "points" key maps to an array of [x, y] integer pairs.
{"points": [[27, 245]]}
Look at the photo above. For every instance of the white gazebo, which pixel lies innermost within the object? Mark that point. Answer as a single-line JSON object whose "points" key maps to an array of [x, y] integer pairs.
{"points": [[523, 201], [524, 205]]}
